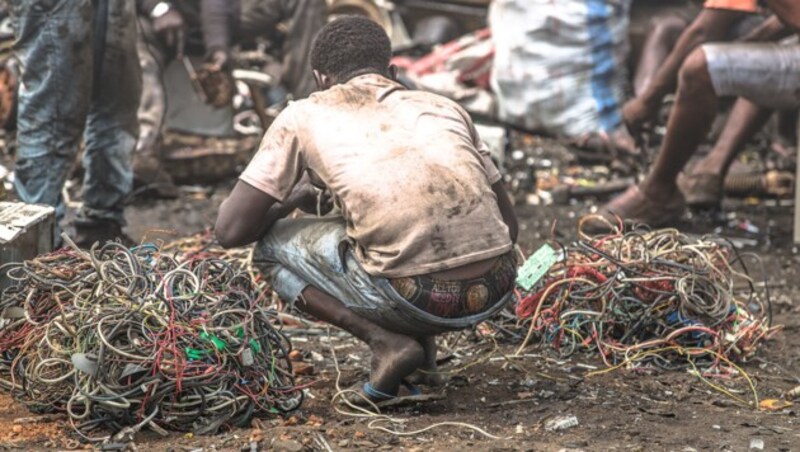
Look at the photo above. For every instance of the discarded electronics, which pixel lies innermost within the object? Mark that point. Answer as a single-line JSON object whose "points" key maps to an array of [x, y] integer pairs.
{"points": [[26, 231]]}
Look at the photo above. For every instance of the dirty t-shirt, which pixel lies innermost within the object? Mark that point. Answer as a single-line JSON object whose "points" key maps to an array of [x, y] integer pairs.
{"points": [[407, 169]]}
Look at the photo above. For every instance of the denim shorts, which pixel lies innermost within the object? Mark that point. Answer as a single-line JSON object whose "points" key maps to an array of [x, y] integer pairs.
{"points": [[304, 252], [767, 74]]}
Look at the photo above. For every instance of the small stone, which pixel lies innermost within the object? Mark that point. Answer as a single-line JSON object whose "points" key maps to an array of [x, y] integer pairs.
{"points": [[287, 445], [757, 444], [16, 429], [315, 421], [716, 427]]}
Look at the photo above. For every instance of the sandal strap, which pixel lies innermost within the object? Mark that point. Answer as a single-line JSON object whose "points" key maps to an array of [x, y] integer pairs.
{"points": [[376, 394], [415, 391]]}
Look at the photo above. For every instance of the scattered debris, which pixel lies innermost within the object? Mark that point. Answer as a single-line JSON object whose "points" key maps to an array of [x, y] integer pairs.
{"points": [[793, 393], [561, 423]]}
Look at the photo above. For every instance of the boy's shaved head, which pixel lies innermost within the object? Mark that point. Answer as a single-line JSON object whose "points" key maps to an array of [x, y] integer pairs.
{"points": [[351, 46]]}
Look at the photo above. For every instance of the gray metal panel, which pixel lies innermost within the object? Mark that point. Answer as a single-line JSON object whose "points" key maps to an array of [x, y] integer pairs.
{"points": [[26, 231]]}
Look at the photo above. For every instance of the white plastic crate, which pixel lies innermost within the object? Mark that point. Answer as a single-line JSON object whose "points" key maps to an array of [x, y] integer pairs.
{"points": [[26, 231]]}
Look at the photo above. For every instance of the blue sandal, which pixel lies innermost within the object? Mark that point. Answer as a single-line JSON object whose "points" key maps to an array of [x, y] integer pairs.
{"points": [[377, 397]]}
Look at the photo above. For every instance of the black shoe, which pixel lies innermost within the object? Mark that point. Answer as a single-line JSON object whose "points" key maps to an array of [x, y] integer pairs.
{"points": [[150, 179], [89, 232]]}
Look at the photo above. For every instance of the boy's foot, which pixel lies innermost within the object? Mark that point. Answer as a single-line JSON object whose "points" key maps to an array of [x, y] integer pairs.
{"points": [[394, 357], [427, 377], [365, 394], [428, 374]]}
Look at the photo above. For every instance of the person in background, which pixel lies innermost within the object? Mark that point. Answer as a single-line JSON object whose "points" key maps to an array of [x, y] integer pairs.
{"points": [[211, 28], [763, 76], [80, 81], [715, 23], [422, 242]]}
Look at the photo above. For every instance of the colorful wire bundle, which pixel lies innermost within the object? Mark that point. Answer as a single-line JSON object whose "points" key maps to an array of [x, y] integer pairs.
{"points": [[649, 298], [126, 338]]}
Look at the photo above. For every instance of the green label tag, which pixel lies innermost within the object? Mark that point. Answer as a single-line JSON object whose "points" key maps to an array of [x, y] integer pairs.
{"points": [[218, 343], [536, 267]]}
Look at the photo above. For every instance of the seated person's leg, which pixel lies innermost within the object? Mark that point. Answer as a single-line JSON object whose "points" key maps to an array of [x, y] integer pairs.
{"points": [[709, 26], [766, 74], [664, 34], [704, 186], [657, 200]]}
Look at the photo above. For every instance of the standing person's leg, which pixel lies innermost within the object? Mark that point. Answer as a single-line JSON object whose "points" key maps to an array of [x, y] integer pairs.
{"points": [[304, 18], [112, 128], [54, 47]]}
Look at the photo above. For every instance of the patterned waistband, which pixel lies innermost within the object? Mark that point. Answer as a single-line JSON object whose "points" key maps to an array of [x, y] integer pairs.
{"points": [[455, 299]]}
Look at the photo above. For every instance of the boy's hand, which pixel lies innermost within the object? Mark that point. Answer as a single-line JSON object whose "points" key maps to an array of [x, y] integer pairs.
{"points": [[309, 198]]}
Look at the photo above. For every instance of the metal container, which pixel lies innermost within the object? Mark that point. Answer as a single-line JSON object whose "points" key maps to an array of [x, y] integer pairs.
{"points": [[26, 231]]}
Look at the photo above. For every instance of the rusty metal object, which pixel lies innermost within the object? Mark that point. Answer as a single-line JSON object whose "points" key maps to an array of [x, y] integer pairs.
{"points": [[772, 183], [196, 160], [8, 96], [215, 88], [218, 87]]}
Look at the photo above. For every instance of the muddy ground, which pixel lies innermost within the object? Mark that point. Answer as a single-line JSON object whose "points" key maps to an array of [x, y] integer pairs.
{"points": [[622, 410]]}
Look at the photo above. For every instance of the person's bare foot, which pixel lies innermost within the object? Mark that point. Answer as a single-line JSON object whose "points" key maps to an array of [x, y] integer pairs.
{"points": [[394, 357], [428, 374], [702, 189], [637, 205]]}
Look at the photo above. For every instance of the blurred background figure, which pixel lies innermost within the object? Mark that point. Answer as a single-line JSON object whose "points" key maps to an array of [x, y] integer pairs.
{"points": [[205, 31], [80, 80], [764, 77]]}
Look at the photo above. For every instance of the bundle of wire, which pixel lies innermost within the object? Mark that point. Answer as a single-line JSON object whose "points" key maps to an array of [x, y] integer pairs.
{"points": [[121, 339], [647, 298]]}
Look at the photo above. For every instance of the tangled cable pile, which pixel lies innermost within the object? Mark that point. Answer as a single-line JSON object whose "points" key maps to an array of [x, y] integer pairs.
{"points": [[649, 298], [126, 338]]}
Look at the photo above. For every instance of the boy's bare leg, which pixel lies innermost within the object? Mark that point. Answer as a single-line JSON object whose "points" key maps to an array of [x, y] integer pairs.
{"points": [[394, 356], [428, 374]]}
